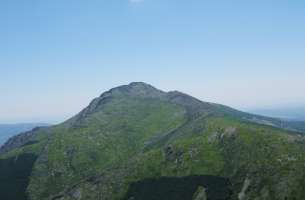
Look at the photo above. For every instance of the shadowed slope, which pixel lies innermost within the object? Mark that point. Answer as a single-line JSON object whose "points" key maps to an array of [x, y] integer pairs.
{"points": [[179, 188], [15, 176]]}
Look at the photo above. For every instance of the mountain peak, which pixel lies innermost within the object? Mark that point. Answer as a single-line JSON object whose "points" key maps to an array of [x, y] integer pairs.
{"points": [[136, 130], [139, 84], [137, 89], [133, 90]]}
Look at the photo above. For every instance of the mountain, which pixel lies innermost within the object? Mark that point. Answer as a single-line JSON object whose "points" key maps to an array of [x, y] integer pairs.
{"points": [[138, 142], [9, 130], [296, 113]]}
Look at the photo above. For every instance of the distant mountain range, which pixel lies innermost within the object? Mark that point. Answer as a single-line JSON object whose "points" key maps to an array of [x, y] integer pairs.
{"points": [[9, 130], [289, 113], [135, 142]]}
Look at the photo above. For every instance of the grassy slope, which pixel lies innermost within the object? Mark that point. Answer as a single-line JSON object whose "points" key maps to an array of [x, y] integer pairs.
{"points": [[130, 138], [272, 161], [114, 134]]}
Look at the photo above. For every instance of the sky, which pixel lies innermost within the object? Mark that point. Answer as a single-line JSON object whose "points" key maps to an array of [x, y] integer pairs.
{"points": [[57, 55]]}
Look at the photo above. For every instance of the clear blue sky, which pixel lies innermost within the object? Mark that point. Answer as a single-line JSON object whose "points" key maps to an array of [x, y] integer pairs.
{"points": [[56, 55]]}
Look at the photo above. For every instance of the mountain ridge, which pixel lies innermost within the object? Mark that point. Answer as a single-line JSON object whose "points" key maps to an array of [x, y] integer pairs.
{"points": [[9, 130], [136, 132], [145, 90]]}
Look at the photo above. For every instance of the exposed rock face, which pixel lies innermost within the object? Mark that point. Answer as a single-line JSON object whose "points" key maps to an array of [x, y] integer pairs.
{"points": [[76, 194], [200, 194], [174, 155], [220, 135], [242, 195]]}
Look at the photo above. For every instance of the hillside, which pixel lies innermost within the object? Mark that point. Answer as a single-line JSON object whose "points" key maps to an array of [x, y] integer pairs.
{"points": [[136, 140], [9, 130]]}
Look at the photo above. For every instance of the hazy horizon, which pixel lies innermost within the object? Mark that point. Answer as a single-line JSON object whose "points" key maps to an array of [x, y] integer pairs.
{"points": [[288, 111], [57, 56]]}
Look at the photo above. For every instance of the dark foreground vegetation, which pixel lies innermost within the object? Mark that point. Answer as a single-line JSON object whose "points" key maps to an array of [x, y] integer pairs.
{"points": [[14, 176], [179, 188]]}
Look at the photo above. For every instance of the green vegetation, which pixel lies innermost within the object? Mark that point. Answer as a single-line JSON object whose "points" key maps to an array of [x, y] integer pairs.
{"points": [[136, 132]]}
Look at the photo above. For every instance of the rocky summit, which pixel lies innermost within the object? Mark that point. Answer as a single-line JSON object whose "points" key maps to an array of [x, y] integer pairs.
{"points": [[136, 142]]}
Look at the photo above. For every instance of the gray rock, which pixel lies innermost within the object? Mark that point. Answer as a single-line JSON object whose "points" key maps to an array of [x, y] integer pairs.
{"points": [[200, 194]]}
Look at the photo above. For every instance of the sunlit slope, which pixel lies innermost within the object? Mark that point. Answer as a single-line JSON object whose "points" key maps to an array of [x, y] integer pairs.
{"points": [[136, 132]]}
